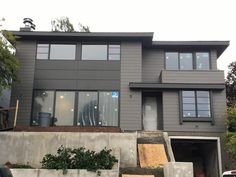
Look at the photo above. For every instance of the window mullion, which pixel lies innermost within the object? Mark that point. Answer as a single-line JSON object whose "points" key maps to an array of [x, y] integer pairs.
{"points": [[196, 102], [178, 61]]}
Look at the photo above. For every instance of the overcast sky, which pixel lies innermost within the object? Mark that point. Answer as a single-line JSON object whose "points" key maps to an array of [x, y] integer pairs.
{"points": [[168, 19]]}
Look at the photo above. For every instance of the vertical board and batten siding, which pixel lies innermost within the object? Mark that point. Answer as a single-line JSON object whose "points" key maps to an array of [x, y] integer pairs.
{"points": [[152, 65], [23, 90], [171, 114], [77, 75], [130, 101]]}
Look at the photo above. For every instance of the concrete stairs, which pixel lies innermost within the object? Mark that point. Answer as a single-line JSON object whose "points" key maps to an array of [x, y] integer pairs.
{"points": [[148, 137]]}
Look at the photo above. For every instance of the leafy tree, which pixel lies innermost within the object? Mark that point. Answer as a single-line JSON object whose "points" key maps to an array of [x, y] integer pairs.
{"points": [[230, 84], [230, 135], [84, 28], [9, 64], [63, 24]]}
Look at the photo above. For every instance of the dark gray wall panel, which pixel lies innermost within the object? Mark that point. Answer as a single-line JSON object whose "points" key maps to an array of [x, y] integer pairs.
{"points": [[171, 114], [23, 90], [77, 65], [77, 84], [43, 74], [152, 64], [77, 75], [130, 101]]}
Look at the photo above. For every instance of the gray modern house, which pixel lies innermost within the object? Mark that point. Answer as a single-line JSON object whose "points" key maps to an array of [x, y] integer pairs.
{"points": [[129, 81]]}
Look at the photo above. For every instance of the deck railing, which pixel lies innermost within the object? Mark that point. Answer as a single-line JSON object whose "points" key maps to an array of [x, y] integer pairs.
{"points": [[5, 116]]}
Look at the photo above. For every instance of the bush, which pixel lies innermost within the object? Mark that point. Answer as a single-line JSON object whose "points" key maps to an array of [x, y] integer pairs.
{"points": [[79, 158], [230, 135]]}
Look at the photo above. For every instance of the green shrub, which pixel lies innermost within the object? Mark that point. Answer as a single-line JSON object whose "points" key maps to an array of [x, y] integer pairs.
{"points": [[79, 158]]}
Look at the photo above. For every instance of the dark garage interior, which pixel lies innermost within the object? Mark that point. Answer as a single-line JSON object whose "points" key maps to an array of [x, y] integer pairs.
{"points": [[203, 154]]}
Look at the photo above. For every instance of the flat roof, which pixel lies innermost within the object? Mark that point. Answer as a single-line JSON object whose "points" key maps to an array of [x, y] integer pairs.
{"points": [[145, 37], [219, 46]]}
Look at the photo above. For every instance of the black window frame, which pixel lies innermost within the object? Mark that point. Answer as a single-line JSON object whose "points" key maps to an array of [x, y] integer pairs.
{"points": [[49, 50], [107, 51], [76, 102], [195, 119], [194, 60]]}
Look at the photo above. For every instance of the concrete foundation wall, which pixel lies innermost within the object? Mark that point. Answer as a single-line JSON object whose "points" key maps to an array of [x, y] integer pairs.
{"points": [[58, 173], [30, 147], [178, 169]]}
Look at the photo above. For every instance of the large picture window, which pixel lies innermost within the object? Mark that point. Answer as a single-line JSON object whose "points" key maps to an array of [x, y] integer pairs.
{"points": [[56, 51], [62, 52], [187, 61], [196, 104], [100, 52], [43, 103], [64, 108], [108, 108], [91, 108], [87, 109]]}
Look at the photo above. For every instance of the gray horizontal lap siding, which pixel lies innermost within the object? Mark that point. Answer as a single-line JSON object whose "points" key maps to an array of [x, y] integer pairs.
{"points": [[77, 75], [130, 101], [171, 114], [213, 57], [201, 77], [152, 65], [24, 88]]}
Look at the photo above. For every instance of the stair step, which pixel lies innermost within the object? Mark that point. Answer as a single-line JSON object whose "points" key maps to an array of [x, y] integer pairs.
{"points": [[156, 172]]}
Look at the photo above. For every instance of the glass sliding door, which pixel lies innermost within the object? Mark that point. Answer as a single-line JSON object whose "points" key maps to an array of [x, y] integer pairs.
{"points": [[108, 108], [87, 109], [64, 108], [42, 102]]}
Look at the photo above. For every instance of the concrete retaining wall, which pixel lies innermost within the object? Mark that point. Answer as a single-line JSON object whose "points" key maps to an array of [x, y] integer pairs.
{"points": [[178, 169], [58, 173], [30, 147]]}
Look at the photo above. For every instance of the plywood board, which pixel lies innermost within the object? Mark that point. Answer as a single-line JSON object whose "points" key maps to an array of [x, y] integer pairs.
{"points": [[137, 175], [152, 155]]}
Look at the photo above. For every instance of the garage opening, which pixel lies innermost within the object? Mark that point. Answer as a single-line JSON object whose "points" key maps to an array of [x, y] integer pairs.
{"points": [[203, 154]]}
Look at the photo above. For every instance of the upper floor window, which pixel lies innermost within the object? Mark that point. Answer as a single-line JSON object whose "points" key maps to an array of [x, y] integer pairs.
{"points": [[187, 61], [62, 52], [42, 51], [202, 61], [196, 104], [56, 51], [100, 52]]}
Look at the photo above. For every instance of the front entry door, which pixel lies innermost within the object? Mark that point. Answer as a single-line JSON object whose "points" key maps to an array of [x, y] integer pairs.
{"points": [[150, 113]]}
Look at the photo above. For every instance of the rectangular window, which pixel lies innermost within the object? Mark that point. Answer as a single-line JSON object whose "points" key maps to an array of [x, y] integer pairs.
{"points": [[172, 61], [187, 61], [56, 52], [100, 52], [62, 52], [94, 52], [93, 108], [108, 108], [42, 51], [114, 52], [64, 108], [42, 103], [87, 109], [202, 61], [196, 104]]}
